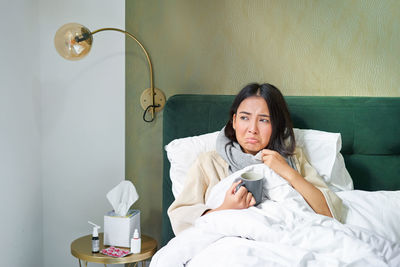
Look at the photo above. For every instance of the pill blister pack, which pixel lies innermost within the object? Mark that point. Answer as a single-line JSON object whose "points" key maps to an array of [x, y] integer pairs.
{"points": [[115, 252]]}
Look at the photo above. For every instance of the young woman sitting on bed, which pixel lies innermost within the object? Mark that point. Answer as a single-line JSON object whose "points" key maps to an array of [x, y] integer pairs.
{"points": [[259, 122]]}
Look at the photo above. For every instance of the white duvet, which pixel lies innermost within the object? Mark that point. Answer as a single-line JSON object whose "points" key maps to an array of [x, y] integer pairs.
{"points": [[281, 231]]}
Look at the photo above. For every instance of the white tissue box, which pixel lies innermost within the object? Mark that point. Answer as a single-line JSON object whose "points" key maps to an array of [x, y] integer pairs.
{"points": [[118, 230]]}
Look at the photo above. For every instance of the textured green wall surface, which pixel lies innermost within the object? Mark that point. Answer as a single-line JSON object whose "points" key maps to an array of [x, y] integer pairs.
{"points": [[309, 47]]}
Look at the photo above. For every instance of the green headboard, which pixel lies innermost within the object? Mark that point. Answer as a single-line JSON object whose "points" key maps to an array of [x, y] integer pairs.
{"points": [[370, 129]]}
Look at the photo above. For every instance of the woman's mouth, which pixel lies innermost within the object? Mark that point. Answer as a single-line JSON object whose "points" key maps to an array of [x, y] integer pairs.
{"points": [[251, 140]]}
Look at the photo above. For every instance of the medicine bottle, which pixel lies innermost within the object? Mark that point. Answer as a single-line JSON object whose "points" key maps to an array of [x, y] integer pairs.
{"points": [[95, 238], [135, 242]]}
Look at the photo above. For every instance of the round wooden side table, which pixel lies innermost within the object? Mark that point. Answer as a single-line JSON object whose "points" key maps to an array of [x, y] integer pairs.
{"points": [[81, 248]]}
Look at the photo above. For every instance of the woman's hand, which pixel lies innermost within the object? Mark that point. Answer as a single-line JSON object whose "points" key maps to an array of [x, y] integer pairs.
{"points": [[277, 163], [242, 199]]}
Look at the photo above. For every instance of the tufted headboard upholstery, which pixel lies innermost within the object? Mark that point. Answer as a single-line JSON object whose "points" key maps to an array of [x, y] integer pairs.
{"points": [[370, 129]]}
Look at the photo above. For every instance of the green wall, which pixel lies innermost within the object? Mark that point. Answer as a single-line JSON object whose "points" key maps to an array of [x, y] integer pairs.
{"points": [[349, 48]]}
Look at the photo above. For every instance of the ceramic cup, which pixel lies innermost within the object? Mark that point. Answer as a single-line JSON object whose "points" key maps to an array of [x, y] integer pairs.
{"points": [[253, 182]]}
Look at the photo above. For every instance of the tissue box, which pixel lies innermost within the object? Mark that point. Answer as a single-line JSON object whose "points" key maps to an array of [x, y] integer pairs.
{"points": [[118, 230]]}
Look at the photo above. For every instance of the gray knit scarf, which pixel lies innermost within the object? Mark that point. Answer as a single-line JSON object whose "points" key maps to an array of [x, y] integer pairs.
{"points": [[232, 153]]}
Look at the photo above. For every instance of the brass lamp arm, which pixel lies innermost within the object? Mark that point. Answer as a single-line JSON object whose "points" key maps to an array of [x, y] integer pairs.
{"points": [[140, 44], [152, 106]]}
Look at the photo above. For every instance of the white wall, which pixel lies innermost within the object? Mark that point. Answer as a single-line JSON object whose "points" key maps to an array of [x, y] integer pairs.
{"points": [[83, 123], [20, 189], [62, 128]]}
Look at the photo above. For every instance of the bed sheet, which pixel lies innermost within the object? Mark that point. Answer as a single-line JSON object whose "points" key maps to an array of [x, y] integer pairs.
{"points": [[281, 231], [377, 211]]}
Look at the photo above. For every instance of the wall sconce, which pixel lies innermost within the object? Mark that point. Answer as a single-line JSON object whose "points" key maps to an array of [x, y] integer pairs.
{"points": [[73, 42]]}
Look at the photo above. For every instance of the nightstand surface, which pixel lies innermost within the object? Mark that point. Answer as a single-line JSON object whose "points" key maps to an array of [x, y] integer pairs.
{"points": [[81, 248]]}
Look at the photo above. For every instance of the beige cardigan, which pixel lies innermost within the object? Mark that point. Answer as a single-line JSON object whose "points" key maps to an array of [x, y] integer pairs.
{"points": [[210, 168]]}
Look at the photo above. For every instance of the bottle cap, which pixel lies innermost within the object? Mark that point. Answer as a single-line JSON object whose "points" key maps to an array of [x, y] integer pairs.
{"points": [[95, 227], [136, 234]]}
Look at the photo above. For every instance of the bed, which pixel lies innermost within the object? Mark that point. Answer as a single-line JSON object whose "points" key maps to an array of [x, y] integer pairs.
{"points": [[369, 129]]}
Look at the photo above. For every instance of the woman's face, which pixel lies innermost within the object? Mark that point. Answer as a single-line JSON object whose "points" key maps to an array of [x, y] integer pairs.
{"points": [[252, 124]]}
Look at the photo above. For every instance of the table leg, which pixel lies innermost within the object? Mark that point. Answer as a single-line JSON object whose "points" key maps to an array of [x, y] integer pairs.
{"points": [[79, 260], [85, 263]]}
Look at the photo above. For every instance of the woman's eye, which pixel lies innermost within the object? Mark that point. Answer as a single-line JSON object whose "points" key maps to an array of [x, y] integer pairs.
{"points": [[245, 118], [264, 120]]}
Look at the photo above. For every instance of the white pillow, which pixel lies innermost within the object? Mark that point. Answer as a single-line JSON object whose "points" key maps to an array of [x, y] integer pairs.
{"points": [[183, 152], [376, 211], [321, 148], [323, 152]]}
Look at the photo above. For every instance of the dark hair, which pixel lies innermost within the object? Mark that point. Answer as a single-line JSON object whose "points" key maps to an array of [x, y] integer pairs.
{"points": [[282, 137]]}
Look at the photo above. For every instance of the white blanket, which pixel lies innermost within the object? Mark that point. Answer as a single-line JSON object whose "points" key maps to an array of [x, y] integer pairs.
{"points": [[282, 231]]}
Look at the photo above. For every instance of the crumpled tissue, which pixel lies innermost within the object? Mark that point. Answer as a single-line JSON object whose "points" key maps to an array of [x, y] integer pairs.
{"points": [[122, 197], [258, 155]]}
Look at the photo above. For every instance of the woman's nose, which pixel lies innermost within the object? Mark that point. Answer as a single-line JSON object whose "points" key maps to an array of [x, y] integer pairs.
{"points": [[253, 127]]}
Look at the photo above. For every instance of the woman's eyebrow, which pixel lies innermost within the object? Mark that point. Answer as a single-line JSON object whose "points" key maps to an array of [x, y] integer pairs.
{"points": [[248, 113]]}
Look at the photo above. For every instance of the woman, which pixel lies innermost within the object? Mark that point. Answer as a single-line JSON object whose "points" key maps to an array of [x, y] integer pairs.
{"points": [[259, 123]]}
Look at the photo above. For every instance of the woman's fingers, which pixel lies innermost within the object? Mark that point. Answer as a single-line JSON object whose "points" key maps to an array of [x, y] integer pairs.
{"points": [[232, 189], [276, 162], [241, 193], [249, 197], [252, 201], [269, 152], [246, 199]]}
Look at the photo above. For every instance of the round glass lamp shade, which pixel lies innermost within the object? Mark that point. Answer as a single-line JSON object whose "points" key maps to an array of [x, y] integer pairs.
{"points": [[73, 41]]}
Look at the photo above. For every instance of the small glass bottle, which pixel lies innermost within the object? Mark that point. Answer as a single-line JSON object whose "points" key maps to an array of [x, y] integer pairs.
{"points": [[95, 238], [136, 242]]}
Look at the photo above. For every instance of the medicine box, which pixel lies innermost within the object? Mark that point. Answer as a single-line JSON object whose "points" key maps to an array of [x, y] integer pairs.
{"points": [[118, 230]]}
